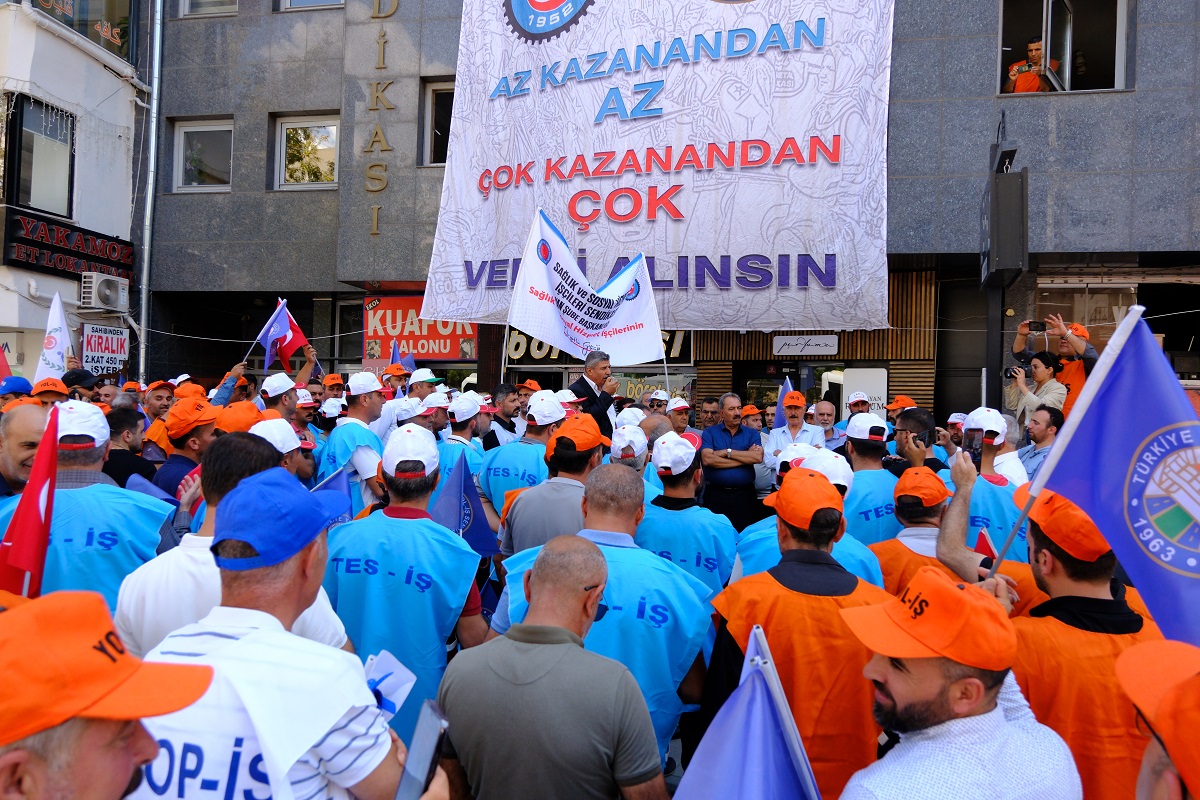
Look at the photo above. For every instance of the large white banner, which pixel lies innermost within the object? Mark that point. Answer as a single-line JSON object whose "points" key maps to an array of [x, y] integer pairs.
{"points": [[554, 302], [741, 146]]}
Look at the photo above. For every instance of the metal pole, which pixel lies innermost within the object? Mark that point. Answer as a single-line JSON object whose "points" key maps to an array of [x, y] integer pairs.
{"points": [[151, 187], [666, 375], [504, 356]]}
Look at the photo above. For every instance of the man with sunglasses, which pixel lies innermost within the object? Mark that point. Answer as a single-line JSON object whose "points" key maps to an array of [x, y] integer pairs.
{"points": [[657, 402]]}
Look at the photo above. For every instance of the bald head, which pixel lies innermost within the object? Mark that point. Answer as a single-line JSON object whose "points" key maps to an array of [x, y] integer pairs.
{"points": [[654, 427], [613, 490], [21, 430], [566, 565]]}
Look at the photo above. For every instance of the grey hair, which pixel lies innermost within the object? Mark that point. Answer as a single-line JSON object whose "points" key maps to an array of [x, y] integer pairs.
{"points": [[55, 745], [594, 358], [124, 400], [658, 427], [1011, 422], [637, 463], [613, 489], [568, 563], [75, 459], [721, 401]]}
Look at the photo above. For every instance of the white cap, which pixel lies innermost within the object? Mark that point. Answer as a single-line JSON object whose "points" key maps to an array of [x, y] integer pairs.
{"points": [[659, 394], [279, 433], [628, 436], [462, 408], [435, 400], [277, 384], [410, 442], [631, 416], [363, 383], [858, 397], [796, 453], [304, 398], [77, 418], [545, 411], [867, 426], [403, 408], [543, 393], [567, 396], [333, 407], [833, 466], [676, 403], [958, 417], [672, 454], [987, 419], [212, 393], [180, 379], [810, 410], [422, 375]]}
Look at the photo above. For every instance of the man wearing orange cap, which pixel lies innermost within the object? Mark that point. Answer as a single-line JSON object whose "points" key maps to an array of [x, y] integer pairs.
{"points": [[50, 391], [553, 508], [899, 403], [21, 429], [525, 390], [796, 431], [798, 602], [334, 386], [72, 700], [943, 651], [1163, 681], [190, 426], [1074, 348], [395, 377], [159, 397]]}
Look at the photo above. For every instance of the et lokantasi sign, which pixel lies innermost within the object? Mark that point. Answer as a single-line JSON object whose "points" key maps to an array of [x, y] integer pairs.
{"points": [[741, 147], [398, 318], [105, 349]]}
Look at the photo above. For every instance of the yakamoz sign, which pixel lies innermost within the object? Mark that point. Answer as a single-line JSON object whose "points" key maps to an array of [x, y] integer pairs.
{"points": [[36, 241], [741, 147], [399, 319]]}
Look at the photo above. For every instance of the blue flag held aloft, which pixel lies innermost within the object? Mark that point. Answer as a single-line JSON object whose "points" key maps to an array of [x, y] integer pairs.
{"points": [[1137, 475], [458, 508], [277, 327], [780, 419], [395, 357], [752, 749], [338, 482]]}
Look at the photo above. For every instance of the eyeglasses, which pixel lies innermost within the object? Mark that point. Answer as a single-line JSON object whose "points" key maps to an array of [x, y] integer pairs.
{"points": [[601, 609], [657, 404]]}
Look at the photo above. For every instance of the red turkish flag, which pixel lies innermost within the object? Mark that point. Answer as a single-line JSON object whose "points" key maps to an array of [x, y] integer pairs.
{"points": [[290, 342], [984, 545], [23, 551]]}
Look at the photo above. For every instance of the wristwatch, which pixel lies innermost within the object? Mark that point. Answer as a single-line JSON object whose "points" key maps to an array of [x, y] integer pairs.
{"points": [[728, 452]]}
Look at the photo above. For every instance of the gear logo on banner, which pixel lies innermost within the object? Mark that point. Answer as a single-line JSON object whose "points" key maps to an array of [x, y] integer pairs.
{"points": [[543, 251], [634, 290], [542, 20], [1162, 504]]}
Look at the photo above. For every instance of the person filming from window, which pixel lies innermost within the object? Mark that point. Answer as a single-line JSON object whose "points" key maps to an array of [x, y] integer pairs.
{"points": [[1030, 75], [1024, 399]]}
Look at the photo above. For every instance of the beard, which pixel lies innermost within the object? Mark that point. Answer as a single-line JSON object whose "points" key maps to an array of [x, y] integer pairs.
{"points": [[915, 716]]}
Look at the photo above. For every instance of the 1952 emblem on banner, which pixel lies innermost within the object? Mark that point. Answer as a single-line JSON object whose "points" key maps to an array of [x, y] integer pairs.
{"points": [[539, 20], [1162, 497]]}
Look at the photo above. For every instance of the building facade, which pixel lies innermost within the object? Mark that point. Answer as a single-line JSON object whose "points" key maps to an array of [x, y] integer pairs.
{"points": [[301, 148]]}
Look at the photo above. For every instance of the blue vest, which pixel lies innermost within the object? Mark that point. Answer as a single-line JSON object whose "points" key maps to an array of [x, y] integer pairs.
{"points": [[344, 440], [516, 465], [650, 476], [870, 507], [98, 535], [198, 517], [400, 585], [758, 548], [700, 542], [992, 507], [651, 491], [937, 452], [448, 453], [655, 624]]}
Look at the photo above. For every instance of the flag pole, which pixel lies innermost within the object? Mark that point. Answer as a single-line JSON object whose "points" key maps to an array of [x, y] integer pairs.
{"points": [[1091, 388], [666, 375], [504, 354]]}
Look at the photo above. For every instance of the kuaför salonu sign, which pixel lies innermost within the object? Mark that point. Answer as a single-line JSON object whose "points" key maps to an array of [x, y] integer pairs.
{"points": [[741, 147]]}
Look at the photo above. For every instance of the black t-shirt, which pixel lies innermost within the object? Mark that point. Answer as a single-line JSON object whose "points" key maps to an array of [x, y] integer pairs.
{"points": [[122, 463]]}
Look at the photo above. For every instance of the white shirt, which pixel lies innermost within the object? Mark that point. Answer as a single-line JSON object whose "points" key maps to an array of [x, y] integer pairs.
{"points": [[612, 411], [181, 586], [1009, 465], [780, 438], [274, 697], [922, 541], [1004, 754], [364, 463]]}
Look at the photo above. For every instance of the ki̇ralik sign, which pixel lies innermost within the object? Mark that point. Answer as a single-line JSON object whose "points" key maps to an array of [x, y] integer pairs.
{"points": [[105, 349], [741, 147]]}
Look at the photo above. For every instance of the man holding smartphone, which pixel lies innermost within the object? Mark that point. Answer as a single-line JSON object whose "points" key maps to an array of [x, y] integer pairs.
{"points": [[1077, 354]]}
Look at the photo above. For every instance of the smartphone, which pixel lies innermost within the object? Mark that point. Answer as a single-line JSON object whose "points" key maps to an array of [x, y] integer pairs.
{"points": [[423, 754], [973, 444], [1037, 327], [924, 437]]}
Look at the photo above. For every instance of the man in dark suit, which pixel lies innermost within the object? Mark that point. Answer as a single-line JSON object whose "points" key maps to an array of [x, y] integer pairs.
{"points": [[596, 387]]}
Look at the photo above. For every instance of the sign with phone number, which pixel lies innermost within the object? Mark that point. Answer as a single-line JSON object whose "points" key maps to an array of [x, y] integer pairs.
{"points": [[524, 350]]}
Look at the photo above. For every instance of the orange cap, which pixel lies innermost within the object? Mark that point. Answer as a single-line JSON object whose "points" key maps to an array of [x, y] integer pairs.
{"points": [[190, 390], [131, 386], [396, 369], [61, 658], [241, 381], [794, 399], [1078, 330], [189, 413], [50, 385], [271, 413], [582, 430], [750, 410], [240, 416], [804, 493], [1064, 523], [20, 401], [1162, 678], [935, 616], [924, 484], [531, 385], [333, 379], [900, 402], [161, 385], [105, 407]]}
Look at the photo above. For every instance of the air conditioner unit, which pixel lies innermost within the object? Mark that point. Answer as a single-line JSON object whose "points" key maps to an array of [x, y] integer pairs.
{"points": [[104, 292]]}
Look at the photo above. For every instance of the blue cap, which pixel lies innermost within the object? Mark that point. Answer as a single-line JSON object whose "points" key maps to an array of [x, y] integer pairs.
{"points": [[15, 384], [273, 513]]}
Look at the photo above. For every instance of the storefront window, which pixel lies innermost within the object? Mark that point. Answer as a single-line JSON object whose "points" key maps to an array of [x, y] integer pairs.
{"points": [[42, 140], [105, 22]]}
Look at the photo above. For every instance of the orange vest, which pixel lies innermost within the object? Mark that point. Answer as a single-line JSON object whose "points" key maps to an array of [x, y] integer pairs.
{"points": [[1068, 676], [1072, 377], [157, 433], [899, 564], [820, 664]]}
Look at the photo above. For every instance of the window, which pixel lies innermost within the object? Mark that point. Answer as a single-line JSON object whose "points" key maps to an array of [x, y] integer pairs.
{"points": [[307, 154], [40, 144], [203, 156], [105, 22], [293, 5], [189, 8], [439, 105], [1063, 45]]}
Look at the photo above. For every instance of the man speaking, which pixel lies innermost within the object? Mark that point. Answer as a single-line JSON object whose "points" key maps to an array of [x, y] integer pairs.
{"points": [[596, 387]]}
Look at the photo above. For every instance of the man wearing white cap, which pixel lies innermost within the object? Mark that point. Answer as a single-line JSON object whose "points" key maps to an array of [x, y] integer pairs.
{"points": [[281, 436], [353, 445], [400, 581], [279, 394], [99, 532], [463, 412], [857, 403], [631, 448], [870, 506], [657, 402], [522, 463], [679, 412], [422, 382], [677, 527], [438, 405]]}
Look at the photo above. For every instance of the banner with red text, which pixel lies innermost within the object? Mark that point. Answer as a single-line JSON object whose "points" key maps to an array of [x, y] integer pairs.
{"points": [[742, 147], [398, 318]]}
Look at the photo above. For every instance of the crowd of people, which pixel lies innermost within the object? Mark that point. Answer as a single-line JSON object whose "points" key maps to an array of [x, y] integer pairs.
{"points": [[212, 588]]}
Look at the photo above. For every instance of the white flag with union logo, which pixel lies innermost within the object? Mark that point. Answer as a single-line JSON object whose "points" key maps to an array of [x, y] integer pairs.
{"points": [[52, 363]]}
